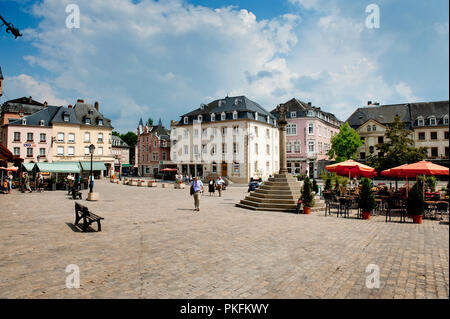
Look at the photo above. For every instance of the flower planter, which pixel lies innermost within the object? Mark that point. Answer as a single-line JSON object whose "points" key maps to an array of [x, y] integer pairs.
{"points": [[366, 215], [133, 183], [307, 210], [163, 185], [179, 186], [151, 184], [417, 219]]}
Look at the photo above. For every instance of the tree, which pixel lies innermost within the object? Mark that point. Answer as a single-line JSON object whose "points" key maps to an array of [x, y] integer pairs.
{"points": [[398, 148], [114, 133], [131, 139], [345, 144], [306, 193], [149, 122], [366, 198]]}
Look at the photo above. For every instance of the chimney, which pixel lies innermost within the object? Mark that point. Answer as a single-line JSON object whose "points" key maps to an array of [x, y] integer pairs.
{"points": [[80, 101], [30, 99], [96, 105], [309, 103], [70, 106], [369, 102], [45, 104]]}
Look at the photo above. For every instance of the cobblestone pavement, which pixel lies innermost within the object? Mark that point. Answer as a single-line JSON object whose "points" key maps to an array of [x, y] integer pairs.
{"points": [[153, 245]]}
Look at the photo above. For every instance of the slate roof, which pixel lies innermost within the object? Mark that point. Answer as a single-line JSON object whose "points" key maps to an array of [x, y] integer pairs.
{"points": [[23, 104], [83, 110], [118, 142], [34, 119], [408, 112], [59, 116], [243, 105], [1, 74], [161, 131]]}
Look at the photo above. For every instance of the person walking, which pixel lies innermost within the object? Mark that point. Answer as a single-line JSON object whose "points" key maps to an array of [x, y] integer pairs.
{"points": [[27, 183], [211, 187], [196, 190], [220, 183], [40, 182], [10, 180]]}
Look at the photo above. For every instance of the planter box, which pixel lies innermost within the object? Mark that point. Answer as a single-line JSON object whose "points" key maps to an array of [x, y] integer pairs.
{"points": [[164, 185], [141, 183], [179, 186], [133, 182], [151, 184]]}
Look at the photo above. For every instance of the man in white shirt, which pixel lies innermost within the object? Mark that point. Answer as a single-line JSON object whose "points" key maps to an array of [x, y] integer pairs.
{"points": [[219, 184], [196, 189]]}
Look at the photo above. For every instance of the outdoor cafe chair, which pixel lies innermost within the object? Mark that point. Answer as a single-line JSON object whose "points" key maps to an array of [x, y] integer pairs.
{"points": [[442, 209]]}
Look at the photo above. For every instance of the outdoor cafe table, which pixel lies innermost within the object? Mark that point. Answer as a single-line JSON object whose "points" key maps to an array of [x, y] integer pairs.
{"points": [[432, 205]]}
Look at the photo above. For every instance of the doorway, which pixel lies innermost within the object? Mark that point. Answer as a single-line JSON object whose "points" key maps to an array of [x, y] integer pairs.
{"points": [[224, 170]]}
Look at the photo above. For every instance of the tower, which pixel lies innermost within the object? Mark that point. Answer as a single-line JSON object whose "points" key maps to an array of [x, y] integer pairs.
{"points": [[1, 82]]}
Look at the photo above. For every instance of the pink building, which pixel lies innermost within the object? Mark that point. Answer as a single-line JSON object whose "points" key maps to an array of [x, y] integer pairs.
{"points": [[308, 137], [31, 137]]}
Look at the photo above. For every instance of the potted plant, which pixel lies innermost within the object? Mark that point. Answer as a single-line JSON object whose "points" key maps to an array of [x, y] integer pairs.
{"points": [[431, 183], [315, 187], [179, 184], [366, 198], [415, 203], [307, 196]]}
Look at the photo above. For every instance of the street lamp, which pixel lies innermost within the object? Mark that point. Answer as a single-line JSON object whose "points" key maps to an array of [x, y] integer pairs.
{"points": [[35, 174], [91, 183]]}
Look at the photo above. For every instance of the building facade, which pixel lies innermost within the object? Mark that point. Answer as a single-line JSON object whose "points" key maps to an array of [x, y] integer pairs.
{"points": [[428, 122], [121, 153], [232, 137], [153, 149], [1, 81], [308, 137]]}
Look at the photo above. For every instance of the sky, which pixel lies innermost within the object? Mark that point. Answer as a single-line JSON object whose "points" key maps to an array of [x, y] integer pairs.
{"points": [[162, 59]]}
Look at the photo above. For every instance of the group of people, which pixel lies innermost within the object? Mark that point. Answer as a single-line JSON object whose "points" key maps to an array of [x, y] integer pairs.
{"points": [[197, 189], [7, 184], [74, 182]]}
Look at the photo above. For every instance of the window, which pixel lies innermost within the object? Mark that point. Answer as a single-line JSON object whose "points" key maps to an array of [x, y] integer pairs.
{"points": [[432, 121], [235, 148], [434, 152], [311, 113], [60, 150], [446, 135], [267, 133], [297, 147], [205, 133], [256, 166], [42, 137], [362, 155], [256, 131], [100, 151], [293, 114], [291, 129], [213, 149], [446, 120], [16, 136], [369, 128], [320, 147], [268, 149], [29, 137], [186, 120], [42, 152], [235, 130], [24, 121], [421, 136], [16, 151], [186, 133], [235, 115], [214, 167], [29, 152], [433, 135], [186, 150], [87, 120], [224, 131], [311, 146], [100, 122], [214, 132], [100, 138], [256, 148], [195, 132], [374, 128], [380, 139], [86, 150], [155, 156], [213, 117], [236, 168], [223, 116], [41, 122], [320, 130], [66, 118], [204, 149], [310, 128], [224, 148], [200, 118], [71, 138], [267, 167], [87, 137], [164, 156], [71, 151], [195, 149], [420, 121], [446, 152]]}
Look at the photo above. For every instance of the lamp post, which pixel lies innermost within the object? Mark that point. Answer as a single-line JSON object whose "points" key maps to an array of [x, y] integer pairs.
{"points": [[91, 182], [35, 174], [120, 169]]}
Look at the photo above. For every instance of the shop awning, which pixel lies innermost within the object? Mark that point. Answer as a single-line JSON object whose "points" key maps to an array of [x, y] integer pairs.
{"points": [[127, 165], [96, 166], [28, 166], [59, 167]]}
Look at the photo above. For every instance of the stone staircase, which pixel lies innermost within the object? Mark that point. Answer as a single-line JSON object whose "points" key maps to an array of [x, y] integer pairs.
{"points": [[279, 193]]}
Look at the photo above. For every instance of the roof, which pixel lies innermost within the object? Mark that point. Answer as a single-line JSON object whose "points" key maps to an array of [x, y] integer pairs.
{"points": [[24, 104], [160, 131], [66, 111], [230, 104], [84, 110], [408, 112], [35, 119], [118, 142], [141, 122], [1, 74]]}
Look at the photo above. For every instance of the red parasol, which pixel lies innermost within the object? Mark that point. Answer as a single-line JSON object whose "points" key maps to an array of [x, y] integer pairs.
{"points": [[352, 168]]}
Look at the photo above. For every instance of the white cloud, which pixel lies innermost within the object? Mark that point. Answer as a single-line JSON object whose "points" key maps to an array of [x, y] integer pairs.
{"points": [[25, 85], [406, 92]]}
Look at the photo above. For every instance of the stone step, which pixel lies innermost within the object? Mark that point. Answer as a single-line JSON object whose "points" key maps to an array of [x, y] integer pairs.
{"points": [[289, 201], [268, 205], [276, 184], [265, 209], [277, 192], [272, 187], [273, 196]]}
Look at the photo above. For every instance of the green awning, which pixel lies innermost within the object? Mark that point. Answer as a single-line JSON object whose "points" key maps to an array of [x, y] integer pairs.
{"points": [[28, 166], [127, 165], [59, 167], [96, 166]]}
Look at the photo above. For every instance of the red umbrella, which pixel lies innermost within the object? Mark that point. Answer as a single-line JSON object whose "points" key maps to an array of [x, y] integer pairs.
{"points": [[352, 168]]}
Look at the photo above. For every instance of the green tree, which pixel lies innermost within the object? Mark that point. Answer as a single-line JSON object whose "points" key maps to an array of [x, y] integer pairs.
{"points": [[398, 148], [415, 203], [345, 144], [131, 139], [366, 198], [149, 122], [306, 193], [114, 133]]}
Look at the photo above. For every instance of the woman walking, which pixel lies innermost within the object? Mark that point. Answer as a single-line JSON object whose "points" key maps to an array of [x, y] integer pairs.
{"points": [[211, 187]]}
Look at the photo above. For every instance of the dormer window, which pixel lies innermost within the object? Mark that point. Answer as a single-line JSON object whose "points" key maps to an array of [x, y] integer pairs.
{"points": [[237, 102], [87, 121], [213, 117], [420, 121], [24, 121], [221, 103], [293, 114], [66, 117], [100, 122], [369, 128], [41, 122], [446, 120], [223, 116], [186, 120], [200, 118], [235, 115], [311, 113], [432, 121], [256, 116]]}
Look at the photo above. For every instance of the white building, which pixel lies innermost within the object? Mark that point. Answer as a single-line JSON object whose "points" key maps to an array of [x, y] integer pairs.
{"points": [[232, 137]]}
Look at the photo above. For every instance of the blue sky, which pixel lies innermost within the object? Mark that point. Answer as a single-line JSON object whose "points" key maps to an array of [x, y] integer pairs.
{"points": [[162, 59]]}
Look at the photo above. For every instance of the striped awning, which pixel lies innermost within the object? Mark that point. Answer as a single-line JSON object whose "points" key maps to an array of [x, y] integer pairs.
{"points": [[59, 167], [28, 166], [96, 166]]}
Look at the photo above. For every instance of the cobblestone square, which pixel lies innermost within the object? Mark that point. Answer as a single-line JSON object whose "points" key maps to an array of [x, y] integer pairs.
{"points": [[153, 245]]}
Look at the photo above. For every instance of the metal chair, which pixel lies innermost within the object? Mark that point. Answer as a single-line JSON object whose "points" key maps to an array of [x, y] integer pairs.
{"points": [[442, 208]]}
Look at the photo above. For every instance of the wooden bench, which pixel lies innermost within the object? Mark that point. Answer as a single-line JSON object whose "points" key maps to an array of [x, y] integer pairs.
{"points": [[82, 212]]}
